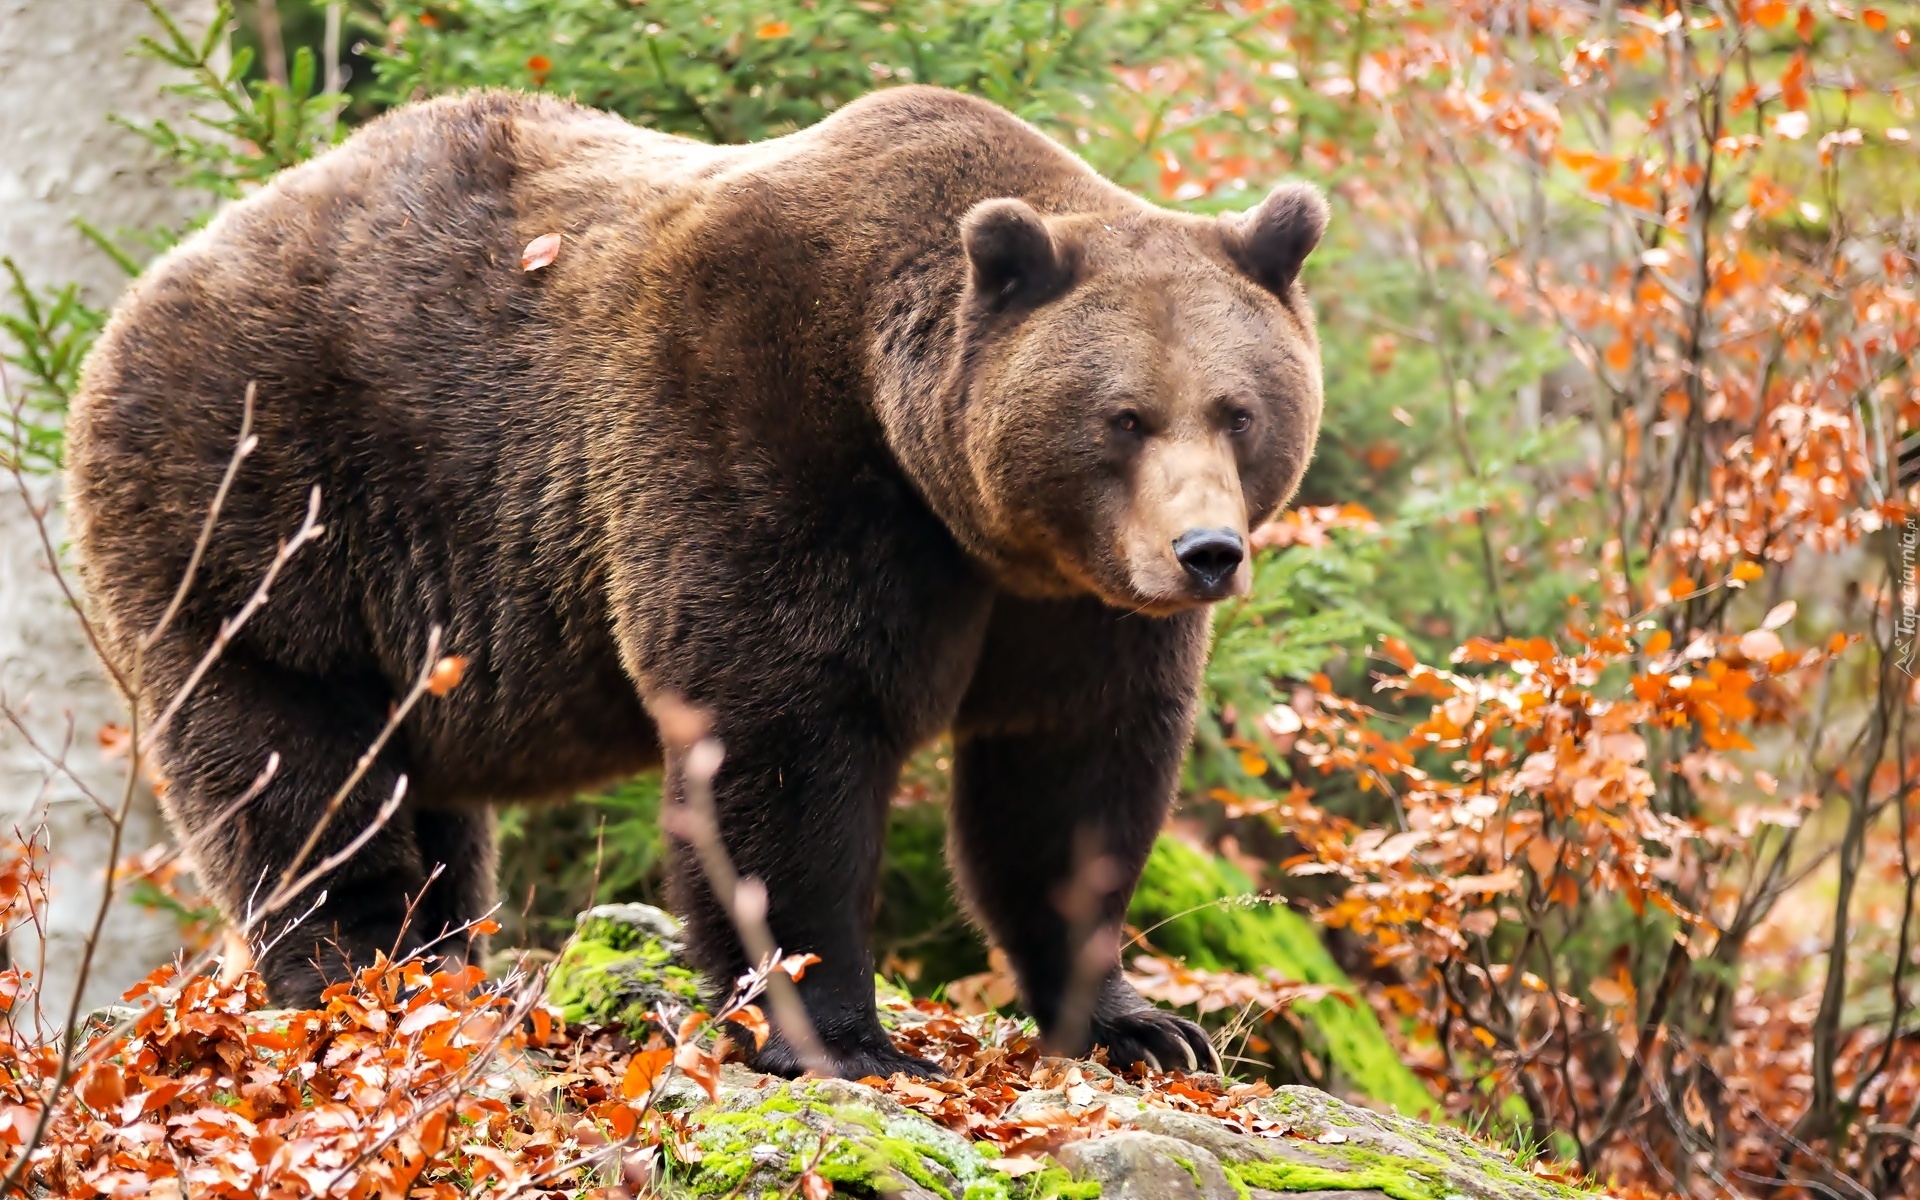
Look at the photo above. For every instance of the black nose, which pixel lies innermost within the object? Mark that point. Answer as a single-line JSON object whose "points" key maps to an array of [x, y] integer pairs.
{"points": [[1211, 556]]}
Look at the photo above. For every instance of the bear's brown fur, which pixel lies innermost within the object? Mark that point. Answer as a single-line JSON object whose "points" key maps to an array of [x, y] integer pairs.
{"points": [[905, 423]]}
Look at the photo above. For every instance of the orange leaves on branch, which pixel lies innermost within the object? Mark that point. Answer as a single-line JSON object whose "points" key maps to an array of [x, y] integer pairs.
{"points": [[230, 1100], [750, 1018]]}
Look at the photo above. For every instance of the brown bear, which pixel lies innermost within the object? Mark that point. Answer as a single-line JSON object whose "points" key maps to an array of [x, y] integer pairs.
{"points": [[903, 424]]}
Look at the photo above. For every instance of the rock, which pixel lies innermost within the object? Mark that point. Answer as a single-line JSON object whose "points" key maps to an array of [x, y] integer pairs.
{"points": [[1074, 1100], [1147, 1166], [104, 1020], [763, 1133], [624, 961], [1217, 1137]]}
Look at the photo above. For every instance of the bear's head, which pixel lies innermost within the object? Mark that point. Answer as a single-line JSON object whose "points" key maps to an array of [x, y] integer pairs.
{"points": [[1134, 392]]}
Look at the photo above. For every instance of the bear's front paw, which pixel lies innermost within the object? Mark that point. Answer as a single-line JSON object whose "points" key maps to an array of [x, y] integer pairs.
{"points": [[1162, 1040], [851, 1059]]}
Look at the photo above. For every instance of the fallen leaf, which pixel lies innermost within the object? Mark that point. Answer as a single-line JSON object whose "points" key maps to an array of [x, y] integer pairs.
{"points": [[540, 252], [642, 1070]]}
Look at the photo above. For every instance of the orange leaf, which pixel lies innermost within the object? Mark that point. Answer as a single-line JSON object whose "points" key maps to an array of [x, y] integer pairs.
{"points": [[104, 1088], [642, 1069], [815, 1186], [699, 1066], [795, 965], [690, 1025], [1793, 82], [1658, 643], [448, 672], [1771, 14], [773, 29], [1874, 19], [1632, 195], [540, 252], [1399, 652], [622, 1121], [750, 1018]]}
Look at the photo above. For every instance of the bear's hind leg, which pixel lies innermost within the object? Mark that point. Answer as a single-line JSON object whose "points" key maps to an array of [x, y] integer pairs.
{"points": [[244, 711]]}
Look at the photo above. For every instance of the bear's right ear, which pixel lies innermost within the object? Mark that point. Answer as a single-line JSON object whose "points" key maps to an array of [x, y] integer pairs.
{"points": [[1015, 259], [1272, 241]]}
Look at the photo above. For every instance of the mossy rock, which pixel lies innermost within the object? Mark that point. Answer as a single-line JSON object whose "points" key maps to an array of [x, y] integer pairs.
{"points": [[762, 1133], [624, 961], [1329, 1145], [1187, 899]]}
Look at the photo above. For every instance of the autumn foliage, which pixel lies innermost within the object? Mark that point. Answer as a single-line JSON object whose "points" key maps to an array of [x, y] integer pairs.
{"points": [[1575, 698]]}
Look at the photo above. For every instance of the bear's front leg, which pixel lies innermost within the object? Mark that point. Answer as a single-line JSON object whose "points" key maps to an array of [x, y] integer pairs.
{"points": [[1067, 754], [801, 806]]}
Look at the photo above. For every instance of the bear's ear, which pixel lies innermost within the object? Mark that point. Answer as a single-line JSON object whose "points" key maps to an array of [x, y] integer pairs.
{"points": [[1015, 259], [1271, 241]]}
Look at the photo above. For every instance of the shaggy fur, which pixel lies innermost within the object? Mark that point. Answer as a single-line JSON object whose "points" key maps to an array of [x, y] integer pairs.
{"points": [[849, 438]]}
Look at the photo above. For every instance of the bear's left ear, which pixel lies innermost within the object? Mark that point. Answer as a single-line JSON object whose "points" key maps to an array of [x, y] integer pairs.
{"points": [[1272, 241], [1014, 257]]}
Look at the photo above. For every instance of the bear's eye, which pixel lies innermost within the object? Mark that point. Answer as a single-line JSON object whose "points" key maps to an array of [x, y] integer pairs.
{"points": [[1239, 421], [1127, 422]]}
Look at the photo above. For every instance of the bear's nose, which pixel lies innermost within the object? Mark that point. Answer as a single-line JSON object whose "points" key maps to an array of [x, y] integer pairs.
{"points": [[1211, 556]]}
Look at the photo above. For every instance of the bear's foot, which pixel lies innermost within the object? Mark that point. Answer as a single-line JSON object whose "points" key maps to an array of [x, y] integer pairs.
{"points": [[852, 1058], [1164, 1041]]}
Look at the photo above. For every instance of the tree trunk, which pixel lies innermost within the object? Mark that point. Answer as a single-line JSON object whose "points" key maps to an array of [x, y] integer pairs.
{"points": [[64, 67]]}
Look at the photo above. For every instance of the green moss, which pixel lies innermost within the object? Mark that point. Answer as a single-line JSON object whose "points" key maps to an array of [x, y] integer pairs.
{"points": [[1181, 887], [1295, 1177], [1402, 1157], [614, 973], [871, 1150], [1054, 1184]]}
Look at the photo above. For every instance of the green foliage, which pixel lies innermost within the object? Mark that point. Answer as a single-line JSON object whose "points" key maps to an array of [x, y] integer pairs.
{"points": [[557, 859], [742, 70], [1205, 911], [50, 333], [1308, 604], [918, 926], [252, 128]]}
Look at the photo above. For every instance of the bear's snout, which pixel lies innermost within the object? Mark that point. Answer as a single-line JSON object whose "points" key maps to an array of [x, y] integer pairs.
{"points": [[1211, 558]]}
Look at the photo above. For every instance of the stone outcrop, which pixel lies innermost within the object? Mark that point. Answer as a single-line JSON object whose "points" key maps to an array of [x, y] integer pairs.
{"points": [[763, 1133]]}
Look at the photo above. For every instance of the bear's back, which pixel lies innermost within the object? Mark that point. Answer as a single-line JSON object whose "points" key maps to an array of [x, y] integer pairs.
{"points": [[473, 427]]}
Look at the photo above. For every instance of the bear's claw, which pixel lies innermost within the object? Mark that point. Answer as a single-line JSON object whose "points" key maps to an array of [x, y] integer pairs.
{"points": [[1160, 1039]]}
